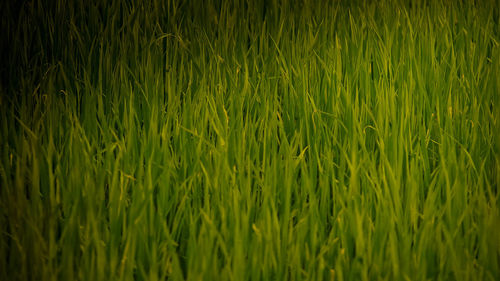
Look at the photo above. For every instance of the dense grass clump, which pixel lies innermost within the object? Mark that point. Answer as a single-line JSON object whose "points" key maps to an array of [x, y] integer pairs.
{"points": [[249, 140]]}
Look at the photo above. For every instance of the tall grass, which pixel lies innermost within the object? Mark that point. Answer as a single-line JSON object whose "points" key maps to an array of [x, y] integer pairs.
{"points": [[249, 140]]}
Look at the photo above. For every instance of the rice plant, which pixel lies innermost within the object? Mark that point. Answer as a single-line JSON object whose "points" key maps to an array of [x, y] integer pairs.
{"points": [[249, 140]]}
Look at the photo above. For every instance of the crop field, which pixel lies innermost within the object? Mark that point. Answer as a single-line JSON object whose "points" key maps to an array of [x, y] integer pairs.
{"points": [[249, 140]]}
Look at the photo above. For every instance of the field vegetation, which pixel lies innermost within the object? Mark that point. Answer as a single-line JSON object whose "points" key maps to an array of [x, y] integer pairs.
{"points": [[249, 140]]}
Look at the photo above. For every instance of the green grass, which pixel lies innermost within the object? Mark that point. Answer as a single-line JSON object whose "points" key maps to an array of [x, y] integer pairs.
{"points": [[249, 140]]}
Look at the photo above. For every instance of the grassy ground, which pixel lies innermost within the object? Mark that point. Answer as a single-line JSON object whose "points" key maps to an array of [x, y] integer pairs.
{"points": [[249, 140]]}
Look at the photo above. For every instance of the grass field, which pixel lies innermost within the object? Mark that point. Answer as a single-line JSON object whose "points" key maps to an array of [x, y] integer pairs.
{"points": [[249, 140]]}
